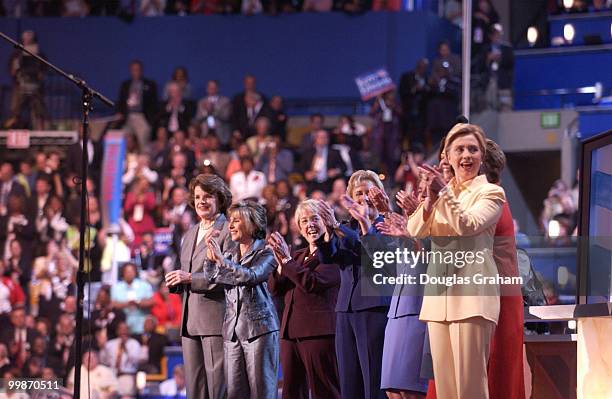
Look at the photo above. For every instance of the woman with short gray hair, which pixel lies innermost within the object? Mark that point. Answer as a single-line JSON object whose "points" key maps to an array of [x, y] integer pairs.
{"points": [[250, 328], [308, 287]]}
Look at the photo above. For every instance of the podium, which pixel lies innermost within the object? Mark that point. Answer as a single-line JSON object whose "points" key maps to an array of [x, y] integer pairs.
{"points": [[575, 365]]}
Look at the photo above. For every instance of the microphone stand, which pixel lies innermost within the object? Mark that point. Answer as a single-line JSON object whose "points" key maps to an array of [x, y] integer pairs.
{"points": [[87, 95]]}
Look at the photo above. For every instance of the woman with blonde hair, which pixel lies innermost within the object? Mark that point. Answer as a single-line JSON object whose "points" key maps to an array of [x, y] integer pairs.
{"points": [[361, 311], [460, 216]]}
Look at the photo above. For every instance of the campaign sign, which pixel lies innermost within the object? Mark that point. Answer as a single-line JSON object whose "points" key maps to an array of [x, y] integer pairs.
{"points": [[162, 240], [374, 83], [112, 171]]}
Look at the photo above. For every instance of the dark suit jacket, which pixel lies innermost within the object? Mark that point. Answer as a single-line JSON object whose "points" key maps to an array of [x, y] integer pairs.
{"points": [[16, 189], [412, 97], [185, 115], [74, 160], [7, 336], [505, 73], [240, 118], [238, 103], [166, 166], [203, 302], [156, 344], [334, 160], [346, 251], [32, 206], [149, 99], [24, 234], [310, 290], [25, 266]]}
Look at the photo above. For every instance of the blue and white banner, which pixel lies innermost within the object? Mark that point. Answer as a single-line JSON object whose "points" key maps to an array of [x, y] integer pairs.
{"points": [[112, 171], [374, 83], [162, 240]]}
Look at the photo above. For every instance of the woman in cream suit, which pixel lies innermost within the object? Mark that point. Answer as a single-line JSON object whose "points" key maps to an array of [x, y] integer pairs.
{"points": [[460, 217]]}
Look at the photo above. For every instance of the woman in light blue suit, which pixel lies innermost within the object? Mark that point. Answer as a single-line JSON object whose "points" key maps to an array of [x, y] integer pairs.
{"points": [[405, 333]]}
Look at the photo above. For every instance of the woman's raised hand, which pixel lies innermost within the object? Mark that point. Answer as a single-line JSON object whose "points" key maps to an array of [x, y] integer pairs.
{"points": [[408, 202]]}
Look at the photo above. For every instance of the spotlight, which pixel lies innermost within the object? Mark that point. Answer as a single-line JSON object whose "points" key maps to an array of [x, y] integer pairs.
{"points": [[568, 4], [532, 35], [141, 380], [569, 33], [554, 228]]}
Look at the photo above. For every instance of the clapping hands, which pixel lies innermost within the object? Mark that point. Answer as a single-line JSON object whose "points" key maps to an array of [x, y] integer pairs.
{"points": [[379, 199], [280, 249], [329, 219], [393, 225], [358, 211], [436, 180], [213, 250], [435, 183], [408, 202]]}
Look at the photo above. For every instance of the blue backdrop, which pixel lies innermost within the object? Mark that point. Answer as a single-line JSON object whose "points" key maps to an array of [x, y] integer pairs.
{"points": [[584, 24], [560, 70], [296, 56]]}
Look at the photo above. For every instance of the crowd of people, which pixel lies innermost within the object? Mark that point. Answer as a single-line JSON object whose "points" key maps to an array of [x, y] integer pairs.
{"points": [[154, 8], [243, 141], [559, 216], [188, 176]]}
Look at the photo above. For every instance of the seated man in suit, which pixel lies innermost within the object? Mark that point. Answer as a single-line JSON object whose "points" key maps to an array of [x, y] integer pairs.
{"points": [[321, 164], [176, 113], [276, 162], [8, 186], [214, 113], [245, 116], [18, 337]]}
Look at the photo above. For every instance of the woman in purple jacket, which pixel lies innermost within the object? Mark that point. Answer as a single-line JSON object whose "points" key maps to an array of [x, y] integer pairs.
{"points": [[309, 289]]}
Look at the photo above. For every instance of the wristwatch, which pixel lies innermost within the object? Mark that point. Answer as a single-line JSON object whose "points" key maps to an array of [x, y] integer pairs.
{"points": [[284, 261]]}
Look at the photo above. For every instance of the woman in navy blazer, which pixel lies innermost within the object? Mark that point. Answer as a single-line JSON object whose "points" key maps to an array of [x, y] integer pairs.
{"points": [[309, 289], [361, 310]]}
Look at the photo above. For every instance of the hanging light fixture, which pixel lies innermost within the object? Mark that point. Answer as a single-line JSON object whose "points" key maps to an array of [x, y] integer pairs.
{"points": [[569, 32], [532, 35]]}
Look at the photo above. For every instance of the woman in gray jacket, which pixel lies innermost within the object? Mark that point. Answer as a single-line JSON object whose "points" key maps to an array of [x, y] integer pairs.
{"points": [[250, 328]]}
